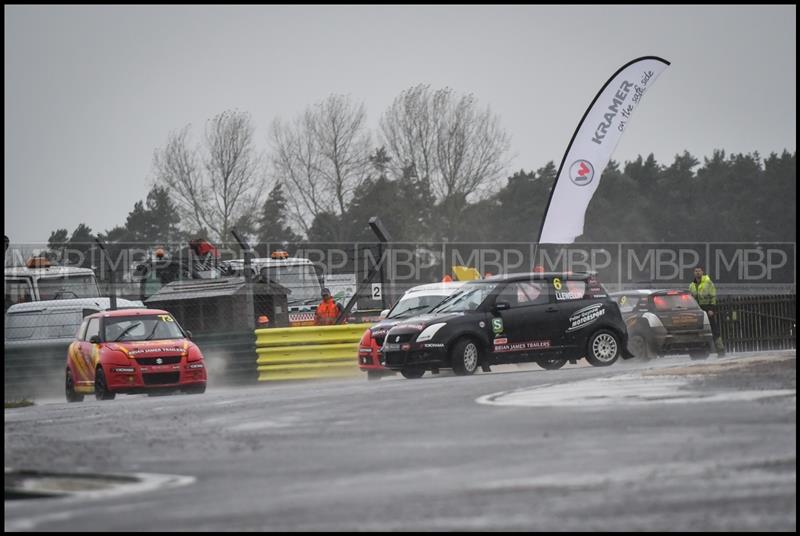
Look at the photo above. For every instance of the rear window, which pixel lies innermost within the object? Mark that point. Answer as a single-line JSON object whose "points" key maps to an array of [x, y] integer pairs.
{"points": [[627, 303], [569, 289], [669, 302]]}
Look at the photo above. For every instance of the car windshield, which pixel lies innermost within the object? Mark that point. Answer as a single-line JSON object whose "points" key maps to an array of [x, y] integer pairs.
{"points": [[67, 287], [413, 305], [468, 298], [142, 328], [302, 282]]}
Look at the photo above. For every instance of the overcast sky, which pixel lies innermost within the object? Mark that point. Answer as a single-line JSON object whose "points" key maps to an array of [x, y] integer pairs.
{"points": [[91, 91]]}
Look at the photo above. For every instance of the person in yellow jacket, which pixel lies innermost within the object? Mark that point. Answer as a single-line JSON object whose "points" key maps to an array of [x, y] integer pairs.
{"points": [[705, 293]]}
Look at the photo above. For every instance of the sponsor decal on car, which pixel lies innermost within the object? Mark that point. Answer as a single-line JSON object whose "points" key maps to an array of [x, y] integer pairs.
{"points": [[433, 345], [569, 295], [136, 351], [501, 340], [497, 325], [583, 317], [684, 319], [520, 346]]}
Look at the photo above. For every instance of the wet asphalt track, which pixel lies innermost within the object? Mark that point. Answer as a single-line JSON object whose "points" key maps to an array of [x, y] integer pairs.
{"points": [[668, 444]]}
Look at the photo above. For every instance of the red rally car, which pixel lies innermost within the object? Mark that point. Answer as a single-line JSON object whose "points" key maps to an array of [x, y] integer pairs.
{"points": [[132, 351]]}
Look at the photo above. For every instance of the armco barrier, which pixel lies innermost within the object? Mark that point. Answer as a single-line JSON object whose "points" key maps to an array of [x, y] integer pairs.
{"points": [[308, 352]]}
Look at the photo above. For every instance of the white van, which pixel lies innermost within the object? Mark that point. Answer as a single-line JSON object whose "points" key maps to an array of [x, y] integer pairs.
{"points": [[51, 320]]}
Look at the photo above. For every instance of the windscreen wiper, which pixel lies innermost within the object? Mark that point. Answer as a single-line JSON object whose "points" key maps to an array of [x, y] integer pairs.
{"points": [[152, 332], [401, 315], [126, 330]]}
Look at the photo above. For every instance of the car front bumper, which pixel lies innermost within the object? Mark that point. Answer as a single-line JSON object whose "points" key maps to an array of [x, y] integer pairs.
{"points": [[416, 356], [120, 378]]}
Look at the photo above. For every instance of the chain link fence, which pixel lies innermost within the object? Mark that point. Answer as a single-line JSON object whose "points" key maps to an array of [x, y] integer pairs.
{"points": [[207, 291]]}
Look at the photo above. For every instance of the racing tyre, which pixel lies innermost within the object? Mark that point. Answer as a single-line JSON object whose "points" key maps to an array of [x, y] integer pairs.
{"points": [[641, 347], [195, 389], [603, 348], [699, 354], [464, 357], [69, 387], [412, 373], [101, 391], [552, 364]]}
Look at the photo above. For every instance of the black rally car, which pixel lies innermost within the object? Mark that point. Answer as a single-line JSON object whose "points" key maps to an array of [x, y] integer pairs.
{"points": [[548, 318]]}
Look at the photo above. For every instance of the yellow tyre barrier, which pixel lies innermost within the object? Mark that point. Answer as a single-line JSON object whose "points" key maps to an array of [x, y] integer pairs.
{"points": [[308, 352]]}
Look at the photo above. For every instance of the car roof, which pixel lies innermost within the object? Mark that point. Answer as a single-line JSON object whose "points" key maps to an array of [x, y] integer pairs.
{"points": [[436, 288], [527, 276], [646, 292], [130, 312], [70, 304], [19, 271], [288, 261]]}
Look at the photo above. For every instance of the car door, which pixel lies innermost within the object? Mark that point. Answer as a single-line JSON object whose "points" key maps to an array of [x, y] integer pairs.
{"points": [[528, 327], [581, 309], [88, 349]]}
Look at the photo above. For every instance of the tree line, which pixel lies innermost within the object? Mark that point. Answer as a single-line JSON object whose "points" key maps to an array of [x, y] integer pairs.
{"points": [[433, 171], [735, 198]]}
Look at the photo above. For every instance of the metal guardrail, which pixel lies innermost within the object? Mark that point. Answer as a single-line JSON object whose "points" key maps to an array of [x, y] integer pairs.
{"points": [[308, 352], [755, 323]]}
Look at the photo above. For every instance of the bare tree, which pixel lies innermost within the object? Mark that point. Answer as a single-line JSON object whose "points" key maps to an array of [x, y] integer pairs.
{"points": [[460, 148], [322, 157], [408, 128], [229, 186], [447, 140]]}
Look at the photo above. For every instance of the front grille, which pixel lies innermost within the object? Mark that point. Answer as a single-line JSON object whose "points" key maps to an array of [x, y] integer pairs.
{"points": [[405, 337], [167, 360], [161, 378], [395, 358]]}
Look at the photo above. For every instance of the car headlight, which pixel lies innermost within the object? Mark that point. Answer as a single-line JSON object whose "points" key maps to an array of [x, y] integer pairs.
{"points": [[428, 333]]}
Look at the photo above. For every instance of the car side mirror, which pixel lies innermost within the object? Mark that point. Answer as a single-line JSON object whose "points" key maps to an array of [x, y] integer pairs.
{"points": [[502, 306], [384, 314], [188, 334], [95, 339]]}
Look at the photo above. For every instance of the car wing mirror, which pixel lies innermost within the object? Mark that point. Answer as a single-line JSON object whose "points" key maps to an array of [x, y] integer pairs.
{"points": [[188, 334], [384, 314], [502, 306], [95, 339]]}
